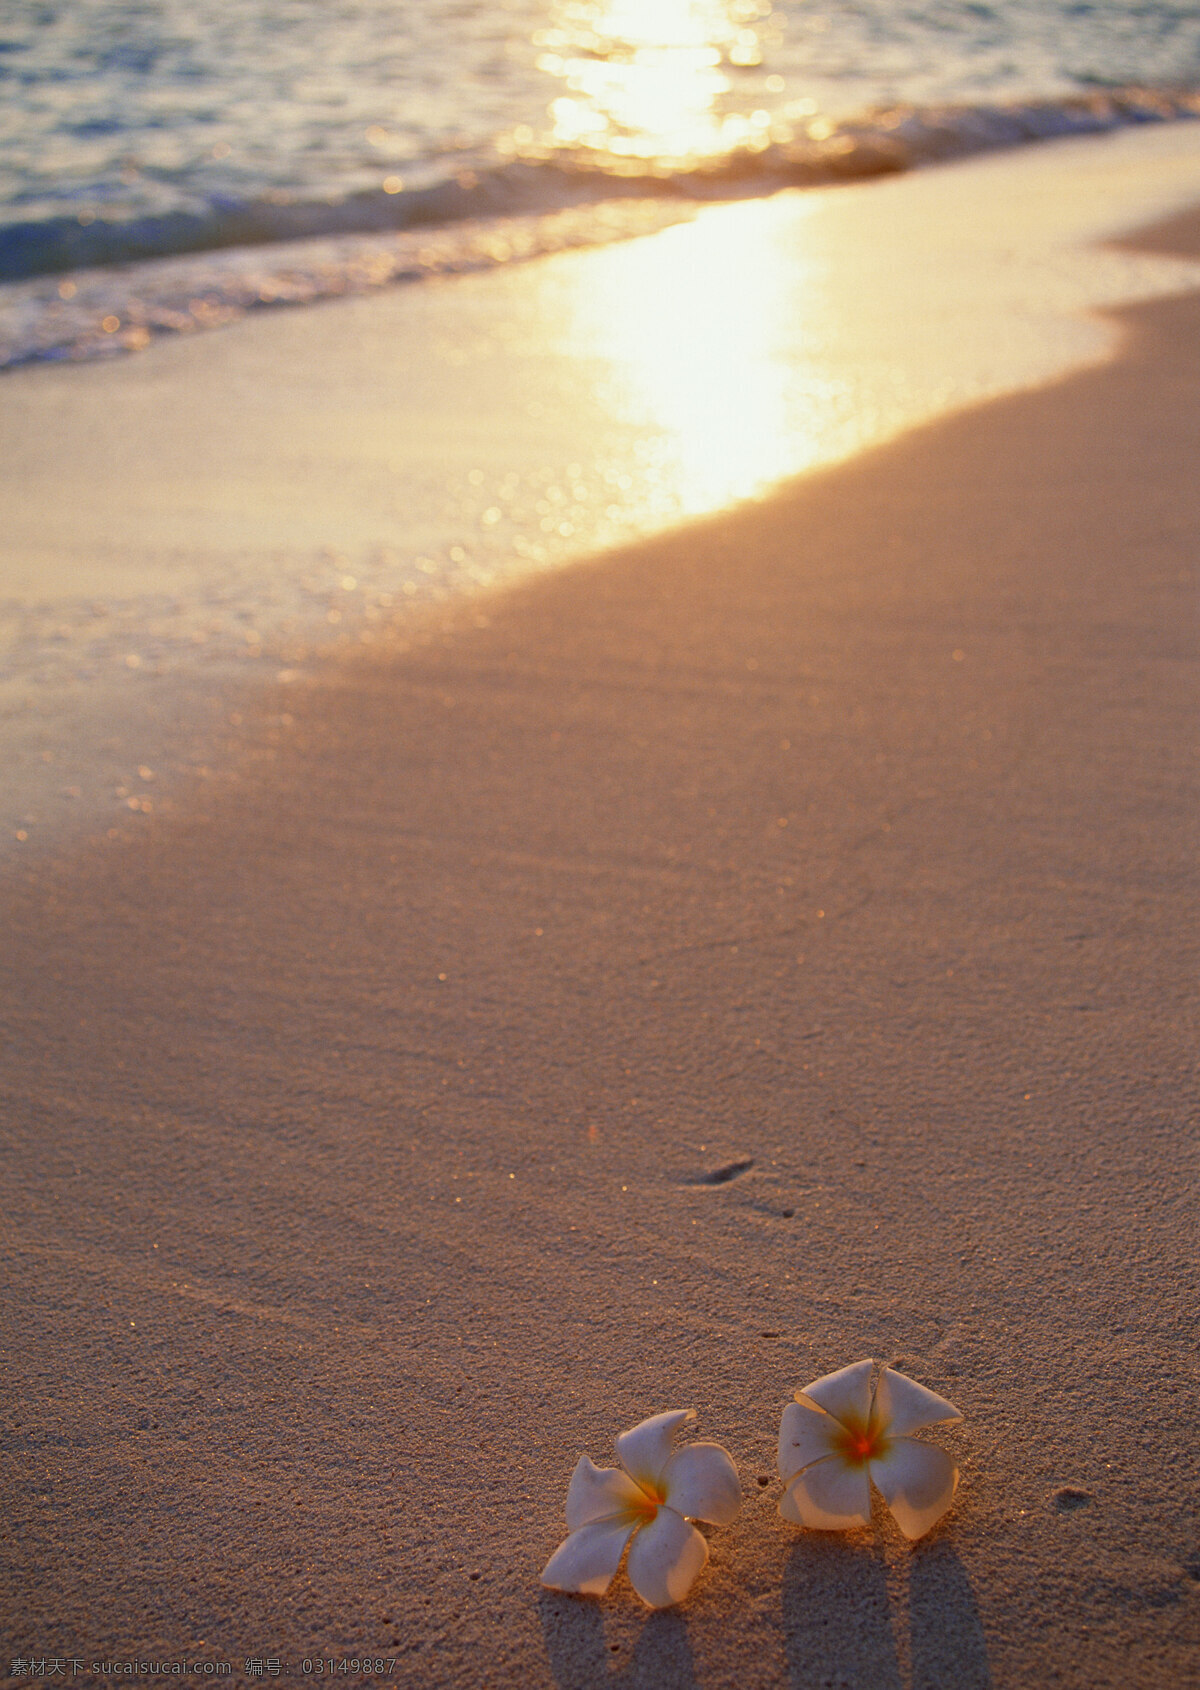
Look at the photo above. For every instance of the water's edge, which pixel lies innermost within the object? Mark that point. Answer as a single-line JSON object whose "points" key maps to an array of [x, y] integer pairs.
{"points": [[219, 521], [130, 280]]}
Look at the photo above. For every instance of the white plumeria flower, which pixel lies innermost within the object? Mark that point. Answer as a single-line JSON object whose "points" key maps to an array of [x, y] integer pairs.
{"points": [[653, 1493], [839, 1437]]}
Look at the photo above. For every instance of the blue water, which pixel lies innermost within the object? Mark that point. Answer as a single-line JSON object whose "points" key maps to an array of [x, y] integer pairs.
{"points": [[142, 130]]}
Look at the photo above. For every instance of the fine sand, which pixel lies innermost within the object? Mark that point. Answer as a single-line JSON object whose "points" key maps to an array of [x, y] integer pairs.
{"points": [[761, 948]]}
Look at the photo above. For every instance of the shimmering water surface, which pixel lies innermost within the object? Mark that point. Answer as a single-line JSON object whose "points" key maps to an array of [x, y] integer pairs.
{"points": [[295, 483], [166, 166], [142, 129], [121, 106], [249, 502]]}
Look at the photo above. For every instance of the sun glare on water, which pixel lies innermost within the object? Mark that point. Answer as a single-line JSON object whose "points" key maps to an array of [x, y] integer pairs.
{"points": [[687, 325], [644, 79], [693, 336]]}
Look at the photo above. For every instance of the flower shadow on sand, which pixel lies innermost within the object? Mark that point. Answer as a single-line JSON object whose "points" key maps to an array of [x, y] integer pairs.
{"points": [[841, 1627], [837, 1617], [582, 1657], [949, 1651]]}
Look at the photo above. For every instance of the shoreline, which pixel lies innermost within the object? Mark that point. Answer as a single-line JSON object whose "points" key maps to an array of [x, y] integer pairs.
{"points": [[490, 185], [157, 554], [362, 1114]]}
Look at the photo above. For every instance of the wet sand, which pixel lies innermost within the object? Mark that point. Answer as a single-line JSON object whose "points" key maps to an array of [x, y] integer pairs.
{"points": [[765, 946]]}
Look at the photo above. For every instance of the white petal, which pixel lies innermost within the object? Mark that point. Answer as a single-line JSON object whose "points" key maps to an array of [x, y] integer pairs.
{"points": [[701, 1481], [845, 1394], [664, 1559], [829, 1496], [599, 1493], [585, 1563], [645, 1451], [805, 1436], [917, 1482], [901, 1405]]}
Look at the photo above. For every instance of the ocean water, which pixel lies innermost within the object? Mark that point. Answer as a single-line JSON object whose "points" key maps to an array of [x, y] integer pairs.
{"points": [[231, 510], [236, 508], [166, 166]]}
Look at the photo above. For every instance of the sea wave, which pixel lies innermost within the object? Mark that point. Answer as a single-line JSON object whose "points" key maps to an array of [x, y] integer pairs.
{"points": [[83, 287]]}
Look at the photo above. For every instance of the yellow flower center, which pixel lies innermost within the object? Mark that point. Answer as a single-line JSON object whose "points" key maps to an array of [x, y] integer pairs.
{"points": [[645, 1507]]}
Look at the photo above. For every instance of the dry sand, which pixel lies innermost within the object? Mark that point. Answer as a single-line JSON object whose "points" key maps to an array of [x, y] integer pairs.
{"points": [[364, 1116]]}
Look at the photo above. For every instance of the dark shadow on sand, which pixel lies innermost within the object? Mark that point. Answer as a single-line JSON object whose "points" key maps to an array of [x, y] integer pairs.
{"points": [[949, 1651], [582, 1658], [840, 1628], [837, 1619]]}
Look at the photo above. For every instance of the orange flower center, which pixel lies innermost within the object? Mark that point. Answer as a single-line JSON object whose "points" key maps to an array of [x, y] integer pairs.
{"points": [[859, 1444]]}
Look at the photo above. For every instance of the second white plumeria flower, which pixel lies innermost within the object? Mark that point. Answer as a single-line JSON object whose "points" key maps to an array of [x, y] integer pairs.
{"points": [[654, 1493], [839, 1437]]}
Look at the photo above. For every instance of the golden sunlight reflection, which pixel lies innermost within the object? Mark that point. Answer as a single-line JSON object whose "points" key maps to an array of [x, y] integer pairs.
{"points": [[644, 79], [701, 334]]}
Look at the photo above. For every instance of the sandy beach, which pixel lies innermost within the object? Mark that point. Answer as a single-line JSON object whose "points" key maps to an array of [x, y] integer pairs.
{"points": [[763, 946]]}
